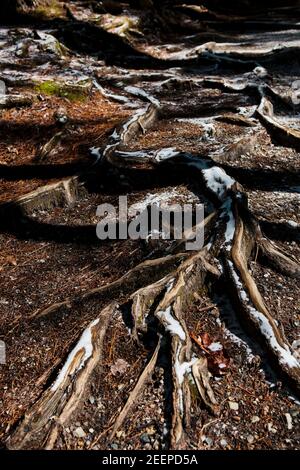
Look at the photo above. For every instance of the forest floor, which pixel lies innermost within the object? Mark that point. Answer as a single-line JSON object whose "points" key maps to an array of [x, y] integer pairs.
{"points": [[68, 87]]}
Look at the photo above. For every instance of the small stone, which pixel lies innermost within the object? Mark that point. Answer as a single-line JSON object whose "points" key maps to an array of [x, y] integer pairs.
{"points": [[250, 439], [271, 428], [266, 410], [145, 438], [233, 405], [92, 400], [207, 440], [156, 445], [91, 430], [151, 430], [79, 432], [255, 419], [223, 443], [114, 446], [289, 421]]}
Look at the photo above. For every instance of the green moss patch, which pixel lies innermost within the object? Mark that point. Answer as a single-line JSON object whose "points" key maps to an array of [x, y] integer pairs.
{"points": [[71, 92]]}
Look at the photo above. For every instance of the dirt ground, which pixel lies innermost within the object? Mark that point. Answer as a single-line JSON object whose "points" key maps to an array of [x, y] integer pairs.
{"points": [[51, 259]]}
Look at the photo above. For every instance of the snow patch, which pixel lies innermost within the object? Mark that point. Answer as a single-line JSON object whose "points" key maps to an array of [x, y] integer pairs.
{"points": [[172, 325], [140, 92], [84, 343], [285, 355], [215, 347], [166, 153]]}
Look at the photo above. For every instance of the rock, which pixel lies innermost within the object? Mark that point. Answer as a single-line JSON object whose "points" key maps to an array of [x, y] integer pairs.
{"points": [[289, 421], [61, 116], [255, 419], [223, 443], [271, 428], [91, 400], [79, 432], [145, 438], [91, 430], [151, 430], [233, 405], [207, 440], [156, 445], [250, 439], [114, 446]]}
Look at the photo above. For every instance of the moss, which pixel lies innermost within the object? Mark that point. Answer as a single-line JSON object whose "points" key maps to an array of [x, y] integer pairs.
{"points": [[52, 9], [71, 92]]}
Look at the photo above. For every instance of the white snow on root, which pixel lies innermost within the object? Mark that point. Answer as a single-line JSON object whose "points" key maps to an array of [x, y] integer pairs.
{"points": [[284, 354], [84, 343], [171, 324], [140, 92], [217, 180]]}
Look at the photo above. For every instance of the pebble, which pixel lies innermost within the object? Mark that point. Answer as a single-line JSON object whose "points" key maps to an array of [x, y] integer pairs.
{"points": [[223, 442], [114, 446], [271, 429], [79, 432], [92, 400], [255, 419], [250, 438], [145, 438], [289, 421], [233, 405], [208, 440]]}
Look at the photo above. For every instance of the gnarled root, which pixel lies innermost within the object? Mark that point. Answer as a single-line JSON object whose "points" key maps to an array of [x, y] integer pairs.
{"points": [[41, 423]]}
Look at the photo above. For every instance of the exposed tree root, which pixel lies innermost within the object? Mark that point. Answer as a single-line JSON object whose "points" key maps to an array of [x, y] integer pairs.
{"points": [[161, 291], [134, 279], [283, 134], [60, 400], [258, 314], [170, 312], [134, 394]]}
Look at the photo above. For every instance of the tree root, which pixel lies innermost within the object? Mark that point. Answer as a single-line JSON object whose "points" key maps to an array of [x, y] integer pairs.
{"points": [[282, 134], [251, 301], [58, 402], [133, 396]]}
